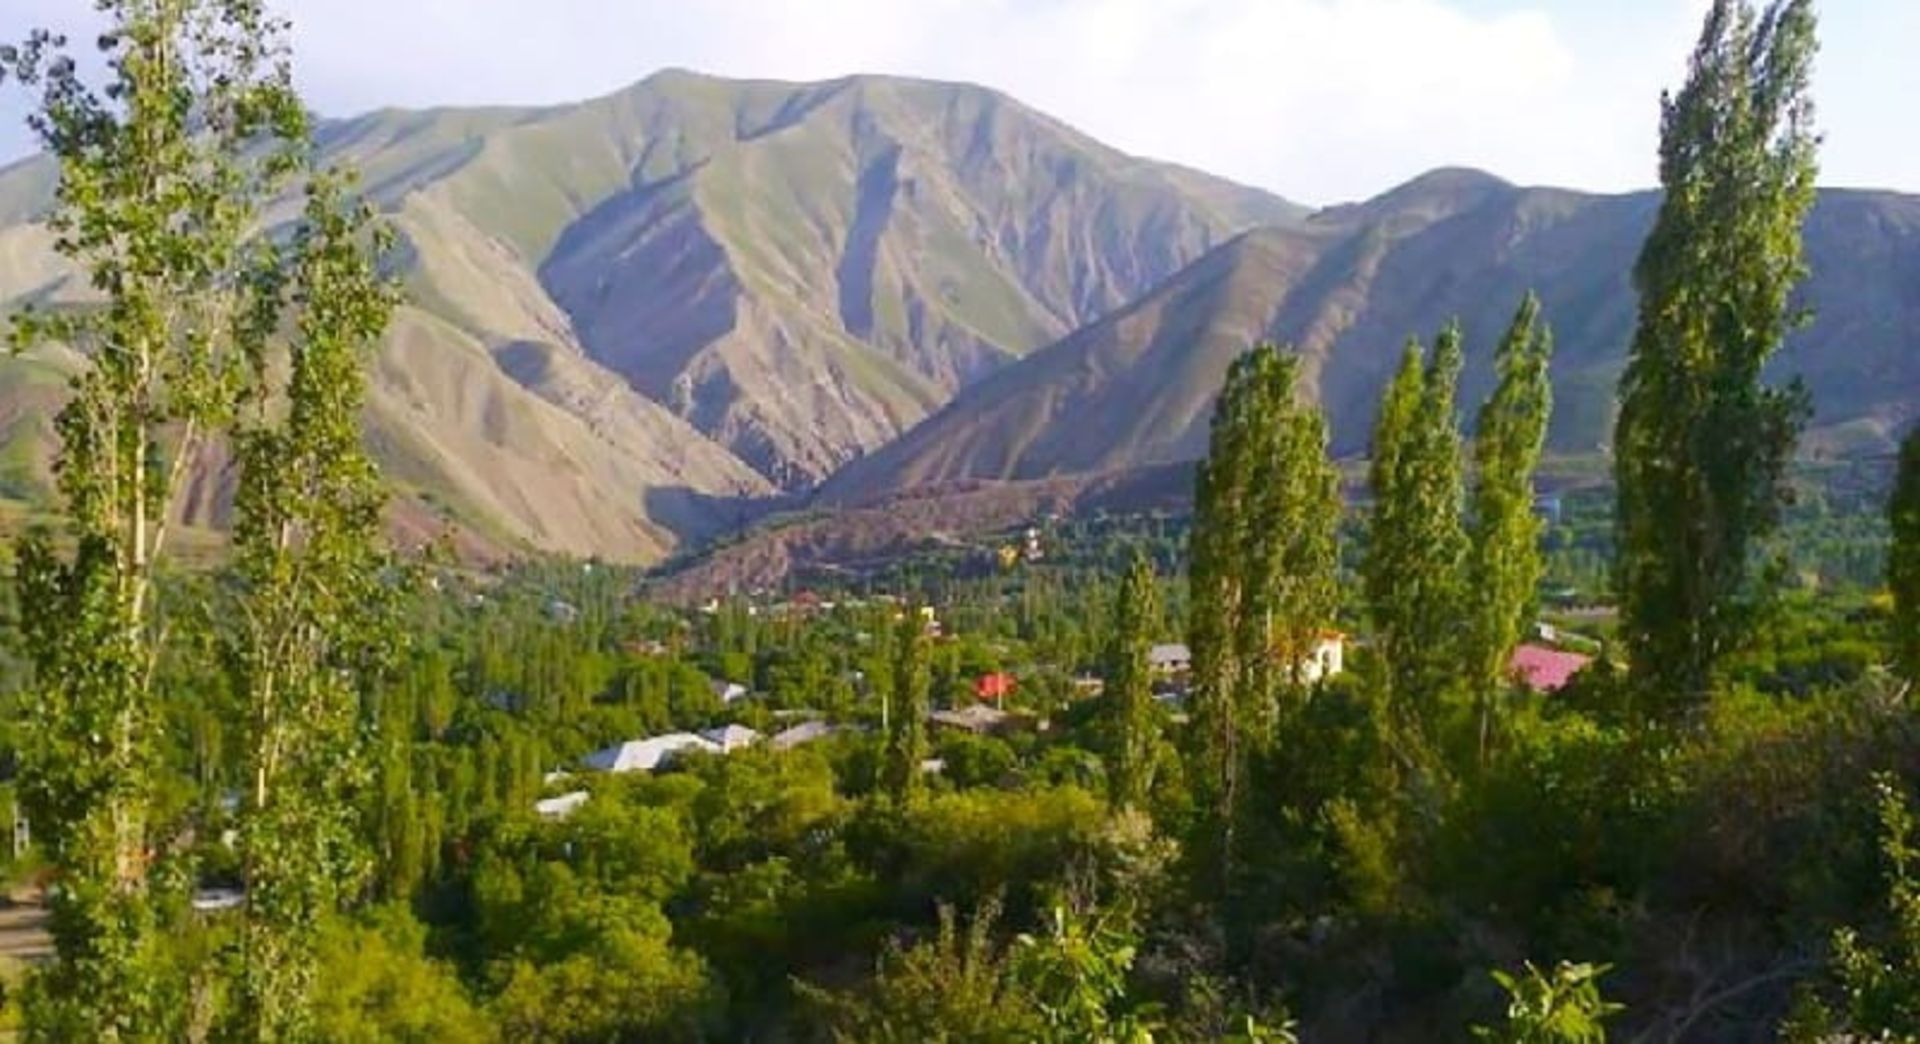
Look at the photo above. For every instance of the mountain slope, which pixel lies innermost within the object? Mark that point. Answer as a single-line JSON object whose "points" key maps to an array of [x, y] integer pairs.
{"points": [[1352, 283], [809, 278], [617, 305]]}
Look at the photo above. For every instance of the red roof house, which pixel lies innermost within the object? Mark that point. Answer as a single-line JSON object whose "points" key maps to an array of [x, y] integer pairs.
{"points": [[996, 687], [1544, 669]]}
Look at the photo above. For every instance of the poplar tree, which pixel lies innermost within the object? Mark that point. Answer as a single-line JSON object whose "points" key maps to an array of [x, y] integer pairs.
{"points": [[907, 727], [308, 558], [1416, 538], [1903, 559], [164, 172], [1134, 720], [1702, 445], [1265, 556], [1504, 564]]}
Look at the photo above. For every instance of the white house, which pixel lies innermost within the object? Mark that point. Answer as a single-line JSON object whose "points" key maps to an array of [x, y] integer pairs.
{"points": [[645, 755], [1327, 658], [729, 738], [560, 807], [1170, 658], [728, 692]]}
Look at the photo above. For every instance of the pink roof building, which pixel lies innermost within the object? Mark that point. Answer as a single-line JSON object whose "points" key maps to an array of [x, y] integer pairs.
{"points": [[1544, 669]]}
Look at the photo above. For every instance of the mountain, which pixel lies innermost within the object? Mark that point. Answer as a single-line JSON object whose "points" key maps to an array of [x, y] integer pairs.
{"points": [[1350, 284], [801, 271], [628, 315]]}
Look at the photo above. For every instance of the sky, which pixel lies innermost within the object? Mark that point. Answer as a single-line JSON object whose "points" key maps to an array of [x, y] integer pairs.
{"points": [[1322, 101]]}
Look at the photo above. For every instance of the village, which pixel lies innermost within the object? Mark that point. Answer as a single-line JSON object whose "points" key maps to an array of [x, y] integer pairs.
{"points": [[993, 708]]}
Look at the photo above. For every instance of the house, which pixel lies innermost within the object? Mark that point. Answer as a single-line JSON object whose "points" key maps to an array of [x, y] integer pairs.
{"points": [[728, 693], [646, 755], [1171, 658], [978, 719], [1543, 669], [730, 738], [562, 612], [802, 734], [996, 687], [560, 807], [1327, 658]]}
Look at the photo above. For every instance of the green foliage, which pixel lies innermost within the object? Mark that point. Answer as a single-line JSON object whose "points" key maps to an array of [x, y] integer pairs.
{"points": [[1134, 723], [907, 708], [1561, 1007], [950, 989], [1416, 543], [1076, 976], [307, 557], [1877, 992], [1263, 578], [165, 175], [376, 984], [1702, 445], [1504, 562], [1903, 559]]}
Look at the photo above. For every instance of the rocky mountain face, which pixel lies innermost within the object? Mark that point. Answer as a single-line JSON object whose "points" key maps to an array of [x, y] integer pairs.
{"points": [[629, 315], [1349, 285]]}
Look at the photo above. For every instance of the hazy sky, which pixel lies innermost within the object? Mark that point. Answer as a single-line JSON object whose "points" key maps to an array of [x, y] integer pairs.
{"points": [[1320, 100]]}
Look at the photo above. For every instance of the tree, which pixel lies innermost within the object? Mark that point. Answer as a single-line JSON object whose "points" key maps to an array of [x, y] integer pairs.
{"points": [[1903, 559], [1134, 720], [908, 708], [1265, 553], [1416, 539], [1875, 987], [1504, 563], [164, 172], [1702, 446], [1564, 1007], [308, 559]]}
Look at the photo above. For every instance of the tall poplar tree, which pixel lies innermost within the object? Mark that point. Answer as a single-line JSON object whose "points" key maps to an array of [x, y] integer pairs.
{"points": [[1265, 557], [1504, 564], [308, 558], [164, 172], [1903, 559], [1702, 446], [1416, 538], [1134, 722], [908, 707]]}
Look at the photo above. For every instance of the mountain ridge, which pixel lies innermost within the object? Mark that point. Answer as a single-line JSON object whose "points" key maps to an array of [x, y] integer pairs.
{"points": [[615, 305], [1347, 288]]}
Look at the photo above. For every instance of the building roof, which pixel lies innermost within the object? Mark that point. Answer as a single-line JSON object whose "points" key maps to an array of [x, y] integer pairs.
{"points": [[805, 732], [1169, 654], [977, 718], [1544, 669], [994, 686], [727, 691], [560, 807], [730, 738], [645, 755]]}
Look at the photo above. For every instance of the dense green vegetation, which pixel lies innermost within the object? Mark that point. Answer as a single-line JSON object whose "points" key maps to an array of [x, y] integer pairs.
{"points": [[321, 793]]}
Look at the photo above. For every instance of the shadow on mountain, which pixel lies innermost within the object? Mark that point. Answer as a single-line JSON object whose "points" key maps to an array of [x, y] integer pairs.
{"points": [[700, 520]]}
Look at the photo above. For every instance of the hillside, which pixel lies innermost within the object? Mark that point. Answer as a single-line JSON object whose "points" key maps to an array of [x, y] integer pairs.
{"points": [[801, 271], [630, 314], [1350, 284]]}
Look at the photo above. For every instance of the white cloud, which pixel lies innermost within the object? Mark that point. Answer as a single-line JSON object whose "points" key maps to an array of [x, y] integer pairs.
{"points": [[1319, 99]]}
